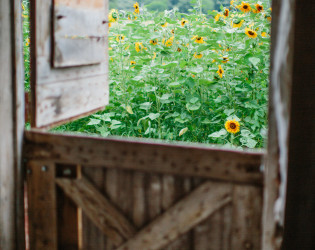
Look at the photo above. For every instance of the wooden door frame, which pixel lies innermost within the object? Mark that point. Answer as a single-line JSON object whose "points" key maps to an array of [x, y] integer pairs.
{"points": [[12, 126], [297, 78]]}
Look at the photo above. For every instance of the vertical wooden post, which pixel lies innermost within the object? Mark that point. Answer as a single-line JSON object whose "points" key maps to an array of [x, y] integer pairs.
{"points": [[300, 199], [11, 126], [42, 209]]}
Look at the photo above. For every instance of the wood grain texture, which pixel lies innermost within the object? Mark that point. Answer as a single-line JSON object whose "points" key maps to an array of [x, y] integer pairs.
{"points": [[67, 212], [144, 155], [98, 209], [181, 217], [11, 126], [246, 217], [281, 66], [51, 102], [138, 195], [92, 236], [59, 101], [300, 200], [41, 190], [79, 33]]}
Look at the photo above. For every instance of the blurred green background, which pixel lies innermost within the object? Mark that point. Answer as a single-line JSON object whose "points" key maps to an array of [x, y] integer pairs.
{"points": [[161, 5]]}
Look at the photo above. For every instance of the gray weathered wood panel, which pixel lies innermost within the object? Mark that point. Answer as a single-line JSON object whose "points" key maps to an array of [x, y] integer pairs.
{"points": [[76, 86], [79, 32], [11, 126]]}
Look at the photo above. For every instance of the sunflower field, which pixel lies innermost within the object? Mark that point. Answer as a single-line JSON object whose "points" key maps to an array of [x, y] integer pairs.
{"points": [[187, 76]]}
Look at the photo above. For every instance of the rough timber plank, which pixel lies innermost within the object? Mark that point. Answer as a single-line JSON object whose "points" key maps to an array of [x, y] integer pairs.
{"points": [[246, 217], [178, 159], [55, 102], [56, 90], [79, 32], [174, 189], [181, 217], [67, 213], [42, 205], [300, 200], [138, 194], [93, 237], [12, 126], [98, 208]]}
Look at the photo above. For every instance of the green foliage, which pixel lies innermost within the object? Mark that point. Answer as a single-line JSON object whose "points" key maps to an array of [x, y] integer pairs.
{"points": [[26, 40], [174, 90]]}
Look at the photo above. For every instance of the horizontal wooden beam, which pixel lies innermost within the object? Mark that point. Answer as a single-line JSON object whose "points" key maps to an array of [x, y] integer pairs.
{"points": [[103, 214], [183, 216], [194, 160]]}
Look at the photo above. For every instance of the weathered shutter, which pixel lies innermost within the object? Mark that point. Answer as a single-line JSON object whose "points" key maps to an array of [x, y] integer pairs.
{"points": [[69, 59]]}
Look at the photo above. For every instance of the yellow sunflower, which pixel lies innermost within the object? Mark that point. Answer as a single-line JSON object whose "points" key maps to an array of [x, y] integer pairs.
{"points": [[263, 34], [154, 56], [259, 8], [136, 6], [169, 42], [198, 56], [179, 49], [154, 42], [138, 46], [237, 23], [198, 39], [113, 16], [245, 7], [120, 38], [164, 24], [220, 71], [132, 62], [232, 126], [217, 17], [183, 22], [226, 12], [250, 33], [225, 59]]}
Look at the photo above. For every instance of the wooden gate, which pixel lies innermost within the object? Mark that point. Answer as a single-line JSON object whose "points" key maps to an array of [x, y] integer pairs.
{"points": [[92, 193]]}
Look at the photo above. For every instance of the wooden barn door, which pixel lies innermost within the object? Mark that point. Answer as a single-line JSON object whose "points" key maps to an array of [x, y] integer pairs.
{"points": [[96, 193]]}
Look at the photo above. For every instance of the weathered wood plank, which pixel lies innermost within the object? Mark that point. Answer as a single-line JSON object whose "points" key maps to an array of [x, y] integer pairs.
{"points": [[154, 196], [246, 217], [55, 90], [178, 159], [42, 205], [112, 190], [67, 213], [55, 102], [282, 48], [12, 126], [300, 198], [181, 217], [138, 194], [79, 32], [98, 208], [93, 237], [174, 189]]}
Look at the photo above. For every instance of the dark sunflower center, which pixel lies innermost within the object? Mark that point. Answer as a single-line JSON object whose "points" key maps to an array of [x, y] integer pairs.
{"points": [[220, 70], [136, 7], [259, 8], [198, 38], [245, 7], [251, 33], [232, 125], [184, 22]]}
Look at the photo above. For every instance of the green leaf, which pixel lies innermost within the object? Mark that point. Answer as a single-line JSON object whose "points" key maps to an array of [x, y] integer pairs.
{"points": [[153, 116], [218, 134], [254, 60], [193, 106], [93, 122]]}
